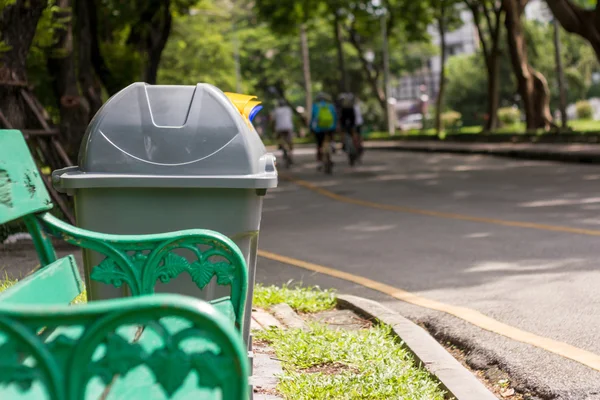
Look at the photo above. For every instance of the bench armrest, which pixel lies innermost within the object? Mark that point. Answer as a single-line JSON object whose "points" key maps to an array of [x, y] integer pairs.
{"points": [[140, 260], [95, 340]]}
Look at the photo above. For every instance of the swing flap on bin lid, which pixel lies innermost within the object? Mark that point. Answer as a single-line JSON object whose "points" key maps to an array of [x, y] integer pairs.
{"points": [[170, 136]]}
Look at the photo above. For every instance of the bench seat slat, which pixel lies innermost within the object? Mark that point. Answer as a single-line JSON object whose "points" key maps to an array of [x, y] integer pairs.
{"points": [[56, 284]]}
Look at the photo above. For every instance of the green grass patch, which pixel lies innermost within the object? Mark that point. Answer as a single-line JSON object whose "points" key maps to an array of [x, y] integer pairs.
{"points": [[338, 364], [302, 299], [585, 125], [6, 282], [578, 126], [297, 140], [81, 299]]}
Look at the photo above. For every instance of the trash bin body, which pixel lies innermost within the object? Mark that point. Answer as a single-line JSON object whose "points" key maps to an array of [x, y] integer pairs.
{"points": [[166, 158]]}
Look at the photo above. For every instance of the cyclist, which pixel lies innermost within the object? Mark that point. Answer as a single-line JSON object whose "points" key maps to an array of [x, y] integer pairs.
{"points": [[323, 124], [284, 128], [348, 126]]}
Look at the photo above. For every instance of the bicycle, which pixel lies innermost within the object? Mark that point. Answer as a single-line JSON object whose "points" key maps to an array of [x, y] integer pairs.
{"points": [[352, 145], [326, 154], [286, 148]]}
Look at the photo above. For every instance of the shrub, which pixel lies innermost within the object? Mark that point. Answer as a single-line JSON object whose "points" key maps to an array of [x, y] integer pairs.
{"points": [[509, 115], [584, 110], [451, 119]]}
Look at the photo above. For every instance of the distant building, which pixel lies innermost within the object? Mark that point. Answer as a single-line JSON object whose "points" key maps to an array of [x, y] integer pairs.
{"points": [[462, 41], [537, 10]]}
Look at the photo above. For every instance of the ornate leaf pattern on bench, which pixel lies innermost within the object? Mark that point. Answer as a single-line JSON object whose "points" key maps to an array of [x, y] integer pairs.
{"points": [[61, 347], [140, 261], [225, 273], [170, 368], [173, 265], [12, 369], [105, 346], [167, 266], [120, 357], [210, 369], [109, 272], [201, 274]]}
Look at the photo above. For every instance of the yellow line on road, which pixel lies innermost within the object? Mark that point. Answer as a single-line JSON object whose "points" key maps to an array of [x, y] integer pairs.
{"points": [[439, 214], [474, 317]]}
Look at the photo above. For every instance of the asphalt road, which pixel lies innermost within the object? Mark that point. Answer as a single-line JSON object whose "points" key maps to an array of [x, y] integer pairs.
{"points": [[537, 279]]}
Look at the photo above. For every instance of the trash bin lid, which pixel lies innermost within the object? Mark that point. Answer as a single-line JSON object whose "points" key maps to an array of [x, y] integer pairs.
{"points": [[170, 136]]}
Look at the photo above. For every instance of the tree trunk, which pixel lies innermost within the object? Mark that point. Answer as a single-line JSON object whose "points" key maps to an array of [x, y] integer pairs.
{"points": [[493, 90], [491, 53], [577, 20], [18, 23], [440, 96], [390, 109], [74, 109], [90, 85], [531, 84], [306, 71], [149, 35], [339, 41], [560, 75], [90, 55], [156, 42]]}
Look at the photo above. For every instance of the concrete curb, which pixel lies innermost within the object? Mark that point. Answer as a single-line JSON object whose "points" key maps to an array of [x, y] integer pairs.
{"points": [[453, 377], [264, 320], [542, 154], [286, 315]]}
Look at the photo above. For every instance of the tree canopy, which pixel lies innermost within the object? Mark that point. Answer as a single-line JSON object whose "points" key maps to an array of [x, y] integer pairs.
{"points": [[76, 53]]}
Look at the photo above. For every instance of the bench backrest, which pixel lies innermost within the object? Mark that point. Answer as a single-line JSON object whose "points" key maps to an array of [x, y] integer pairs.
{"points": [[126, 348], [139, 261], [22, 191], [136, 260], [56, 284]]}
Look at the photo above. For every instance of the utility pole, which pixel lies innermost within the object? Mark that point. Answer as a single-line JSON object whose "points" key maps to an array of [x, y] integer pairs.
{"points": [[560, 74], [339, 39], [236, 58], [390, 114], [306, 70]]}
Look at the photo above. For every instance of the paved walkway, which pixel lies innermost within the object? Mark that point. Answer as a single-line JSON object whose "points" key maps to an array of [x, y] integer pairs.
{"points": [[513, 240], [266, 368]]}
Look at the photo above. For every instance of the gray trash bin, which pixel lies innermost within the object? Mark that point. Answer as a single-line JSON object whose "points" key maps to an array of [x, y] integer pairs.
{"points": [[165, 158]]}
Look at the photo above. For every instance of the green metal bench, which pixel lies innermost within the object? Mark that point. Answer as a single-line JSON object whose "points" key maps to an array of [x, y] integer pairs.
{"points": [[150, 347], [163, 346], [138, 261]]}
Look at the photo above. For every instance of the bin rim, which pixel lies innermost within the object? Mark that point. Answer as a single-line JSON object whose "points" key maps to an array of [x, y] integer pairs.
{"points": [[66, 179]]}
